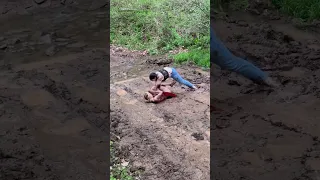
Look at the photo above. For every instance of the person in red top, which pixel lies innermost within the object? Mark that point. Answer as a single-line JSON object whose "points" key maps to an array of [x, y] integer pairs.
{"points": [[156, 95]]}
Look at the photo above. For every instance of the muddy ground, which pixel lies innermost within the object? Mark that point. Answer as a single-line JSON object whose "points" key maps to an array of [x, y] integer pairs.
{"points": [[53, 120], [261, 133], [169, 140], [54, 93]]}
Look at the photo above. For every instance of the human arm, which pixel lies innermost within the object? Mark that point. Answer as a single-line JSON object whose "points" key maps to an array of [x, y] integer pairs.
{"points": [[158, 82], [154, 90], [169, 84], [157, 98], [157, 93], [221, 56]]}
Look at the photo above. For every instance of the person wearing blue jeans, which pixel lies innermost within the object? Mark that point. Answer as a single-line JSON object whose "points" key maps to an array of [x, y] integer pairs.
{"points": [[168, 72], [222, 57]]}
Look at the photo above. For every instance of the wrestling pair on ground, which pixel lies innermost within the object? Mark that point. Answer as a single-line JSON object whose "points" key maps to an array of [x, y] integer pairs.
{"points": [[219, 55], [160, 91]]}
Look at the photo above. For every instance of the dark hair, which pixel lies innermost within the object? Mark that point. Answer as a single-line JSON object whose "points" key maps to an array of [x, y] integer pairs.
{"points": [[146, 96], [153, 76]]}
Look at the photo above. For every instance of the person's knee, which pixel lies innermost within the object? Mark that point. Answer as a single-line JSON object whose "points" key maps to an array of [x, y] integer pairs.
{"points": [[177, 78], [182, 81], [232, 64], [226, 63], [187, 83], [154, 88]]}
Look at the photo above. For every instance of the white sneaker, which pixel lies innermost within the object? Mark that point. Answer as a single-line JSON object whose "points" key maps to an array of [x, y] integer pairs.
{"points": [[270, 82]]}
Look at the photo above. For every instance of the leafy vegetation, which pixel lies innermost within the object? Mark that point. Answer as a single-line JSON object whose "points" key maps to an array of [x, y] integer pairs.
{"points": [[304, 9], [232, 4], [199, 56], [161, 26], [118, 171]]}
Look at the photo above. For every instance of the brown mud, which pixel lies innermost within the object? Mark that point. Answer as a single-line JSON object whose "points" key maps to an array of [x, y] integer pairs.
{"points": [[169, 140], [262, 133], [54, 110]]}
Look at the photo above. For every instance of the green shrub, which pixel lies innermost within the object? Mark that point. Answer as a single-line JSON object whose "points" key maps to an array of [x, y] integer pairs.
{"points": [[117, 170], [160, 26], [306, 9]]}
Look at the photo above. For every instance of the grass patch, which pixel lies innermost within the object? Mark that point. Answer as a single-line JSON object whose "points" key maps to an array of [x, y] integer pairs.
{"points": [[120, 173], [235, 5], [117, 170], [200, 57], [307, 9], [239, 5], [304, 9], [160, 26]]}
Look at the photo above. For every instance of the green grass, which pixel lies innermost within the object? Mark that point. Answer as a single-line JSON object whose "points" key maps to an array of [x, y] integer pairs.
{"points": [[304, 9], [160, 26], [117, 171], [120, 173], [232, 4], [239, 4], [307, 9], [200, 57]]}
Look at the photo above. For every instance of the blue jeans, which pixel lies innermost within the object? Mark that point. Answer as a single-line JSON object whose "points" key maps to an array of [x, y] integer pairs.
{"points": [[221, 56], [176, 76]]}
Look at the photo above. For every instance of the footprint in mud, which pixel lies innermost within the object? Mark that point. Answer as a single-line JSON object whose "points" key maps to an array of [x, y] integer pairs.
{"points": [[159, 61], [222, 123], [197, 136]]}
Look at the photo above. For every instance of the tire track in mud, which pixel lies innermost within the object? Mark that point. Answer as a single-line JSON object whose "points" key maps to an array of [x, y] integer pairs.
{"points": [[53, 84], [302, 158], [21, 155], [156, 153], [157, 138], [71, 100], [16, 161], [272, 132], [48, 108]]}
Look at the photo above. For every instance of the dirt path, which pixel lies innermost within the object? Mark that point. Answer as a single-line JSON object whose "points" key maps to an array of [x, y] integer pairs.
{"points": [[159, 138], [54, 111], [264, 134]]}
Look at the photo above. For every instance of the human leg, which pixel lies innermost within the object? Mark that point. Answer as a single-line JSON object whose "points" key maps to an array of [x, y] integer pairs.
{"points": [[165, 89], [221, 56], [176, 76]]}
